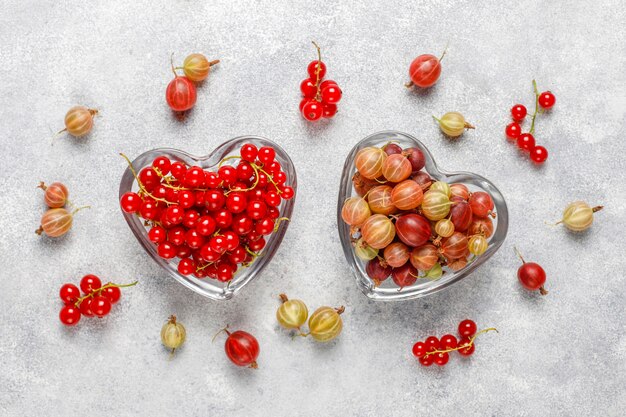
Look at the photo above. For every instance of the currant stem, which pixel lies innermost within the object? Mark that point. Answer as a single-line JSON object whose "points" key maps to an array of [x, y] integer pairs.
{"points": [[278, 221], [141, 187], [532, 125], [99, 291], [464, 346], [318, 69]]}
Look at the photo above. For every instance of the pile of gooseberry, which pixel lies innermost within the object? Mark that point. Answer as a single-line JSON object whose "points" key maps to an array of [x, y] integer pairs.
{"points": [[57, 220], [406, 225], [434, 350], [320, 97], [181, 91], [96, 299], [325, 323], [526, 141], [212, 220]]}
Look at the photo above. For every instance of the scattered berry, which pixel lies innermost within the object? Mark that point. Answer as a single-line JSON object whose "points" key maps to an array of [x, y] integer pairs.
{"points": [[320, 96], [241, 348], [181, 91], [531, 275], [425, 70], [518, 112], [546, 99]]}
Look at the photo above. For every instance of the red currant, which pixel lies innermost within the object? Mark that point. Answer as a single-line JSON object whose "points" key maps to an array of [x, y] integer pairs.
{"points": [[441, 358], [236, 202], [69, 293], [526, 142], [190, 219], [316, 70], [244, 171], [130, 202], [223, 219], [162, 165], [331, 94], [327, 83], [256, 210], [214, 199], [272, 198], [329, 110], [175, 214], [287, 193], [273, 213], [447, 341], [85, 307], [187, 266], [100, 306], [149, 210], [266, 155], [467, 328], [89, 283], [206, 225], [280, 178], [194, 178], [248, 152], [178, 170], [238, 255], [242, 225], [228, 174], [539, 154], [183, 251], [218, 244], [112, 293], [432, 343], [546, 99], [312, 110], [194, 239], [427, 360], [176, 236], [149, 178], [518, 112], [257, 245], [225, 271], [466, 348], [264, 227], [513, 130], [208, 254], [186, 199], [308, 88], [166, 250], [419, 349], [212, 180], [69, 315]]}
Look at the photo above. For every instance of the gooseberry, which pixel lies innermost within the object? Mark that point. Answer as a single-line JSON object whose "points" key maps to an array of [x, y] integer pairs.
{"points": [[434, 273], [481, 227], [457, 264], [424, 257], [459, 190], [292, 313], [55, 195], [361, 184], [180, 93], [396, 254], [404, 276], [377, 271], [531, 275], [461, 214], [380, 200], [407, 195], [481, 204], [242, 348], [79, 121], [413, 229], [369, 162], [325, 323], [378, 231], [453, 124], [173, 334], [578, 216], [57, 222], [196, 67], [441, 186], [364, 251], [415, 157], [435, 205], [425, 70], [392, 148], [396, 168], [477, 245], [455, 246], [423, 179], [444, 228], [355, 211]]}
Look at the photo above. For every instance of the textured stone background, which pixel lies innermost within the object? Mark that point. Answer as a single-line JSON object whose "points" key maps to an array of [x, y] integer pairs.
{"points": [[563, 354]]}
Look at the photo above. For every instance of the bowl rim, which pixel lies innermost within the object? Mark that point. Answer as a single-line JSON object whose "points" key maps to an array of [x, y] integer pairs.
{"points": [[365, 284], [208, 287]]}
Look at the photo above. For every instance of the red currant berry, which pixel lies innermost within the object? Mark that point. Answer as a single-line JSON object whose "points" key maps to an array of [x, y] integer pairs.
{"points": [[273, 167], [157, 234], [225, 271], [547, 99], [539, 154], [327, 83], [194, 239], [257, 245], [130, 202], [175, 214], [273, 213], [302, 103], [441, 358], [248, 152], [236, 202], [308, 88], [214, 199], [331, 94], [69, 293], [162, 164], [287, 193], [190, 219], [149, 178], [231, 239], [513, 130], [100, 306], [166, 250], [431, 343], [186, 199], [419, 349], [312, 110], [427, 360], [242, 225], [89, 283], [256, 210], [264, 227], [467, 328], [329, 110], [85, 307], [526, 142], [238, 255], [518, 112], [280, 178], [316, 70], [206, 225], [112, 293], [272, 198], [160, 192], [187, 266], [223, 219], [212, 180], [228, 174], [208, 254], [198, 197], [172, 194], [69, 315], [149, 210], [266, 155], [466, 348], [178, 170], [183, 251], [244, 171], [218, 244], [176, 236], [447, 341]]}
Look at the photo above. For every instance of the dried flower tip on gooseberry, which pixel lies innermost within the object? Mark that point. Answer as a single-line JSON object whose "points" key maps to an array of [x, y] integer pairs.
{"points": [[578, 216], [173, 334]]}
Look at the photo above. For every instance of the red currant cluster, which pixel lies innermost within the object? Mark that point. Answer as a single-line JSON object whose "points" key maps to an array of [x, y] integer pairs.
{"points": [[212, 220], [526, 141], [320, 97], [97, 299], [434, 350]]}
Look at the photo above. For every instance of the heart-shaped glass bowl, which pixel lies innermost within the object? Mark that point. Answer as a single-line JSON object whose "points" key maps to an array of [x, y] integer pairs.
{"points": [[208, 287], [387, 291]]}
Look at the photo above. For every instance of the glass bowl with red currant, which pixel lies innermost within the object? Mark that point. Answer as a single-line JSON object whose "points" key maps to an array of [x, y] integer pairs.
{"points": [[213, 222], [409, 229]]}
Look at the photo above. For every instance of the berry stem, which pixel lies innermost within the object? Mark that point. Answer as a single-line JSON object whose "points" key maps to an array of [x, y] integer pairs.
{"points": [[318, 69], [225, 330], [172, 64], [143, 189], [99, 290], [283, 298], [597, 208], [465, 345], [278, 221], [519, 254], [532, 124]]}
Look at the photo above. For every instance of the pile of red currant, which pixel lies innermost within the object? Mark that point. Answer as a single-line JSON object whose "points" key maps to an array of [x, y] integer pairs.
{"points": [[96, 299], [212, 220], [434, 350], [320, 96], [526, 141]]}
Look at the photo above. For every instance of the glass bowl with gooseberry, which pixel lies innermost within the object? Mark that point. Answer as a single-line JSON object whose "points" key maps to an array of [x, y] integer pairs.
{"points": [[235, 204], [409, 229]]}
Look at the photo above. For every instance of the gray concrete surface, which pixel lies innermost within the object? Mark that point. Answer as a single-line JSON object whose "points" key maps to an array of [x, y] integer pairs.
{"points": [[559, 355]]}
